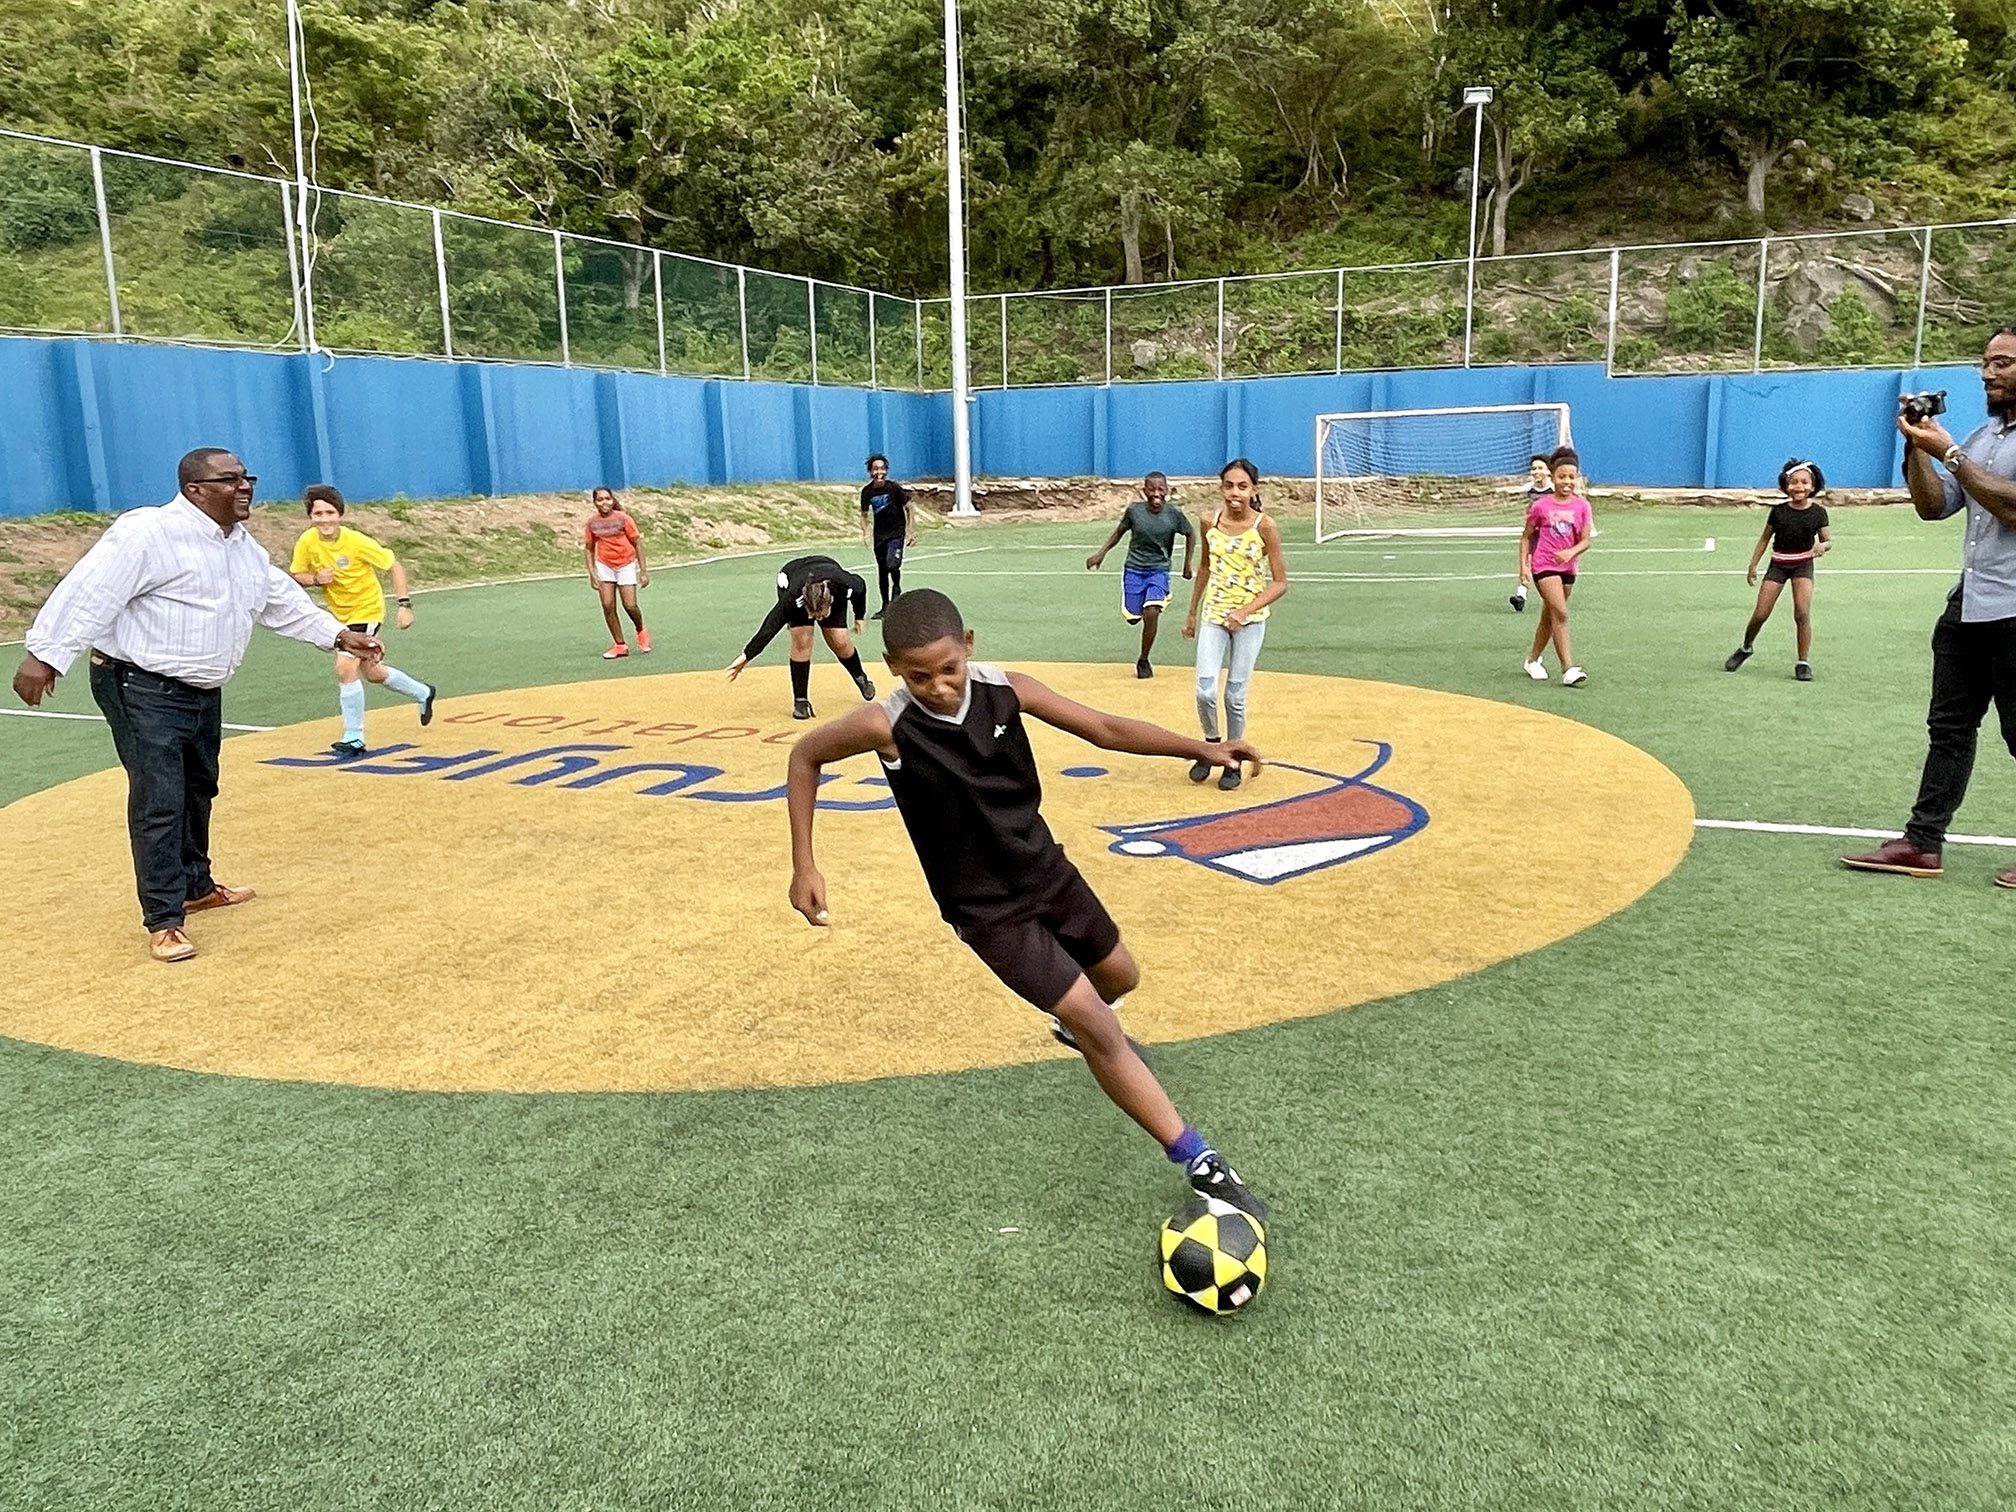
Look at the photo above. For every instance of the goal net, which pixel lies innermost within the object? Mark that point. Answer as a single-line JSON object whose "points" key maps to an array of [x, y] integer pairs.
{"points": [[1430, 472]]}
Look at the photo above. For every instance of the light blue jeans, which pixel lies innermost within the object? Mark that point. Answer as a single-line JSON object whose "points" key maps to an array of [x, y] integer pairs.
{"points": [[1233, 652]]}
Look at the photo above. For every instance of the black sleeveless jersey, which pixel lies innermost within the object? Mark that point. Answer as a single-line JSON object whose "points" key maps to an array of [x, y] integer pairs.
{"points": [[969, 793]]}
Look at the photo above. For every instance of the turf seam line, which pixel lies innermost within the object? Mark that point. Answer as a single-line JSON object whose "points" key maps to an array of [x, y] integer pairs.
{"points": [[1759, 826]]}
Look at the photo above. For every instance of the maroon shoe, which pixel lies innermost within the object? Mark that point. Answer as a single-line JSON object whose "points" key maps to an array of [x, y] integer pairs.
{"points": [[1900, 856], [2007, 879]]}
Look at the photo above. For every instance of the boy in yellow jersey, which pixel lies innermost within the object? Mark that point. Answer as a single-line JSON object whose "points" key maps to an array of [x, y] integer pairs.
{"points": [[345, 564]]}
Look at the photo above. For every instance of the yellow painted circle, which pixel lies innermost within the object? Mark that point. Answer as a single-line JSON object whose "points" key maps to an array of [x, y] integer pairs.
{"points": [[583, 887]]}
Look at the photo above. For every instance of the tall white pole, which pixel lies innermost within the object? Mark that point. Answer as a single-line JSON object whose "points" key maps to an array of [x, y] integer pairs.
{"points": [[1479, 97], [295, 63], [955, 198]]}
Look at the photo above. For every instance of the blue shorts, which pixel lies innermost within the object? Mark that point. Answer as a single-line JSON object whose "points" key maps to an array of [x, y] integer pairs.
{"points": [[1143, 588]]}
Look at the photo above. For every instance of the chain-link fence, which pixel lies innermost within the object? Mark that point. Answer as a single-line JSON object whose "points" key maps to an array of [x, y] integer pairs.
{"points": [[97, 242]]}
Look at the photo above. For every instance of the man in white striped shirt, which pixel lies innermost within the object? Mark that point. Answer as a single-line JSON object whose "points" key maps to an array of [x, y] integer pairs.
{"points": [[165, 603]]}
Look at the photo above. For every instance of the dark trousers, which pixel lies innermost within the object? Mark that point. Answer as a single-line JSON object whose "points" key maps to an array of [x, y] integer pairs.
{"points": [[889, 567], [167, 734], [1973, 666]]}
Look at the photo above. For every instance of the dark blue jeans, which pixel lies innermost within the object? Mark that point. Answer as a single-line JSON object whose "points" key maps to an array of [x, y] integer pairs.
{"points": [[1973, 667], [167, 734]]}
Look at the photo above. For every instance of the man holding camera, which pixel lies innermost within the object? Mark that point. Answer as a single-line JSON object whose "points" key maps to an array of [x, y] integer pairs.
{"points": [[1974, 643]]}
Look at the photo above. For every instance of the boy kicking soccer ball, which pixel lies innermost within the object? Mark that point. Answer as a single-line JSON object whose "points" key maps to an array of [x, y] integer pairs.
{"points": [[958, 762]]}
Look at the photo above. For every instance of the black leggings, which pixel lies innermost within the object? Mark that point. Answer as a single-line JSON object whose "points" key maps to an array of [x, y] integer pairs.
{"points": [[889, 567]]}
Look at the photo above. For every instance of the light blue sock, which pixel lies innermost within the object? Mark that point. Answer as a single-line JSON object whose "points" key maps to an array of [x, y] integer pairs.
{"points": [[404, 686], [350, 698]]}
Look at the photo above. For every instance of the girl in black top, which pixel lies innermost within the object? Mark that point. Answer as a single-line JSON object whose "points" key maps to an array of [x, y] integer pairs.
{"points": [[1797, 535], [813, 590]]}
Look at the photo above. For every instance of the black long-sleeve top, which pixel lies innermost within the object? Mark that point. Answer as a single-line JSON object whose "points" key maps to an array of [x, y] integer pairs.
{"points": [[850, 598]]}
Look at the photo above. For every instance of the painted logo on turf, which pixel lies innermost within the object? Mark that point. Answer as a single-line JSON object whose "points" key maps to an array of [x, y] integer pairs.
{"points": [[1347, 818]]}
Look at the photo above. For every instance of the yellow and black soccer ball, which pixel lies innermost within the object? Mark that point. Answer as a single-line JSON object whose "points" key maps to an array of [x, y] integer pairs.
{"points": [[1214, 1256]]}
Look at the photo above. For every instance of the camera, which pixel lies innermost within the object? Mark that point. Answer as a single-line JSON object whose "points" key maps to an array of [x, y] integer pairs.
{"points": [[1918, 408]]}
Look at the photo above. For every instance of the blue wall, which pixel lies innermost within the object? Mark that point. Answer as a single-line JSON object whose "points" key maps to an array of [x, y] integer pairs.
{"points": [[1680, 432], [95, 425]]}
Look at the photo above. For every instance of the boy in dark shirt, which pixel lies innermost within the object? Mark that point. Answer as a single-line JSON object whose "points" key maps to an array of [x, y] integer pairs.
{"points": [[959, 764], [1144, 581], [887, 504]]}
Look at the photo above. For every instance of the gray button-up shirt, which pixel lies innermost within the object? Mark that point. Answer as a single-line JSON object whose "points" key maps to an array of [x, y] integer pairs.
{"points": [[1988, 560]]}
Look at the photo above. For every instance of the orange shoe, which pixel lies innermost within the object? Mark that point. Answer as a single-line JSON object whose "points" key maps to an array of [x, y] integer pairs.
{"points": [[220, 896], [644, 641], [616, 652], [170, 945]]}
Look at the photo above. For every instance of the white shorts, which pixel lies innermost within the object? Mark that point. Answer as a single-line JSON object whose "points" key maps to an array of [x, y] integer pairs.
{"points": [[623, 577]]}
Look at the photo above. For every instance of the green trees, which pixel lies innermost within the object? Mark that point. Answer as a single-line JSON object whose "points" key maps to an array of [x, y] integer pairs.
{"points": [[1109, 140]]}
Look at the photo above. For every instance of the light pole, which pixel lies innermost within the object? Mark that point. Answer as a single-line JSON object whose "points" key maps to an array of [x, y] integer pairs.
{"points": [[1478, 95], [297, 67], [955, 199]]}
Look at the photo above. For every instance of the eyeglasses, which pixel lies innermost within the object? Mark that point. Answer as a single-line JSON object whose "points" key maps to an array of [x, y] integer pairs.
{"points": [[234, 479]]}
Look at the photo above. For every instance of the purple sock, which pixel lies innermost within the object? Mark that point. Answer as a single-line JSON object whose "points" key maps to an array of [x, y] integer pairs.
{"points": [[1188, 1146]]}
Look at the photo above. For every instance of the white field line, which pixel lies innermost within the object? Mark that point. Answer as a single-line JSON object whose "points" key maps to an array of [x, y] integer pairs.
{"points": [[1385, 549], [726, 556], [100, 719], [1759, 826], [1755, 826], [1478, 577]]}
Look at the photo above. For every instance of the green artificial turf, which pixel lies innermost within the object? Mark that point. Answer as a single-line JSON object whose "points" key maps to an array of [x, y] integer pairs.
{"points": [[1707, 1207]]}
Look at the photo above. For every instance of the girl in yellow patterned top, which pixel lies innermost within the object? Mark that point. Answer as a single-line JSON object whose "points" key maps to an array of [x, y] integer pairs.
{"points": [[1241, 575]]}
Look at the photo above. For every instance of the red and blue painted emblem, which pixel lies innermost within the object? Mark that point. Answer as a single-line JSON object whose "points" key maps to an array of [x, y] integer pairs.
{"points": [[1345, 820]]}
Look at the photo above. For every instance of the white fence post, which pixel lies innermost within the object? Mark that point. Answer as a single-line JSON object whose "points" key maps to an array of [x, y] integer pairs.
{"points": [[658, 302], [917, 325], [293, 262], [560, 293], [105, 242], [1763, 289], [1924, 293], [1221, 328], [441, 287], [1109, 335], [874, 375], [742, 307], [1004, 341], [812, 324], [1610, 341], [1340, 320]]}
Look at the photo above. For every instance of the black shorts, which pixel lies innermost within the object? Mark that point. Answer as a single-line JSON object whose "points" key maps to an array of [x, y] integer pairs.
{"points": [[1567, 578], [889, 552], [836, 617], [1789, 572], [1041, 957]]}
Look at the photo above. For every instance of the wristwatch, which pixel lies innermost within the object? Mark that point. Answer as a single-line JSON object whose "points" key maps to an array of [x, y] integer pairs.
{"points": [[1952, 457]]}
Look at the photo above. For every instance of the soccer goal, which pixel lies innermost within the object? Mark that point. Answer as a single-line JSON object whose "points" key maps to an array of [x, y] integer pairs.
{"points": [[1430, 472]]}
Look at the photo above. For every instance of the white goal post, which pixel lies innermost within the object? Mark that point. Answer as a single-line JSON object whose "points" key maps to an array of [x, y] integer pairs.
{"points": [[1432, 473]]}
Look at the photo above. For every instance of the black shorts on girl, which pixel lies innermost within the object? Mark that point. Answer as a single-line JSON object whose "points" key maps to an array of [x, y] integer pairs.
{"points": [[1787, 572], [1567, 578]]}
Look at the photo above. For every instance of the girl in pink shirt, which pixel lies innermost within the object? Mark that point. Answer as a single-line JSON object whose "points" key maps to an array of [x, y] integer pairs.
{"points": [[1558, 531]]}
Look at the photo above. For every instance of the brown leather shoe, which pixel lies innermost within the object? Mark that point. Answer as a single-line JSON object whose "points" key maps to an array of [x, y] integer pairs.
{"points": [[220, 896], [170, 945], [1899, 856], [2007, 879]]}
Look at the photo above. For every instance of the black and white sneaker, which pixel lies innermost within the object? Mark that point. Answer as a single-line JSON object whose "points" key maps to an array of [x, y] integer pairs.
{"points": [[349, 750], [1737, 657], [801, 708], [1518, 601], [427, 706], [1201, 770], [1143, 669], [1803, 671], [1211, 1176], [867, 688]]}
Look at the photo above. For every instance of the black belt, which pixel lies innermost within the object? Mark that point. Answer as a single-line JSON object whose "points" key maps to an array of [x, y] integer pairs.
{"points": [[126, 670]]}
